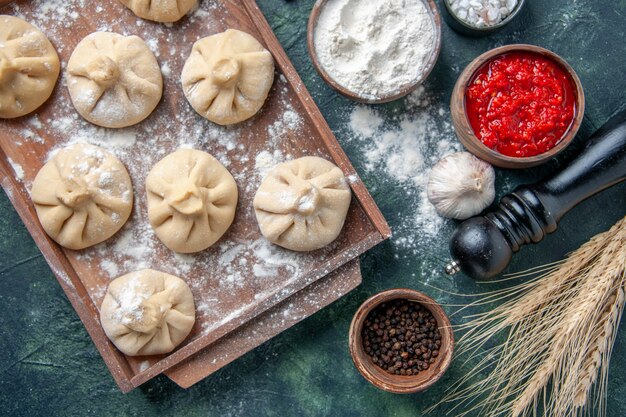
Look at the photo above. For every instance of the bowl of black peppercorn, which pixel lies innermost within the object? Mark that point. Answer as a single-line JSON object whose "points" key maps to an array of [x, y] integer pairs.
{"points": [[401, 341]]}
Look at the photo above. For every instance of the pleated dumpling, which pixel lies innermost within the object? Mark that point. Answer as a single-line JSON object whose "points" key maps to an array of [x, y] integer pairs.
{"points": [[29, 67], [191, 200], [165, 11], [228, 76], [83, 196], [114, 80], [302, 204], [147, 312]]}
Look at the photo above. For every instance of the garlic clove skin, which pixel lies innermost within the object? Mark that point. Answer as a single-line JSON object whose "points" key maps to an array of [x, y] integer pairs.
{"points": [[461, 186]]}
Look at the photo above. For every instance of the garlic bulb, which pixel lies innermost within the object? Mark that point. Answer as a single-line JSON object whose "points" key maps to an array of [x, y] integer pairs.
{"points": [[461, 186]]}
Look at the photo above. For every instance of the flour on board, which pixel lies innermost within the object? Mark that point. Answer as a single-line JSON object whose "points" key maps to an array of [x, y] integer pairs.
{"points": [[17, 168], [252, 262]]}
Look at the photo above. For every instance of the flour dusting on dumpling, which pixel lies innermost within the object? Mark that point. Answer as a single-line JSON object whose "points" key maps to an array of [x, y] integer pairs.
{"points": [[83, 196], [191, 200], [302, 204]]}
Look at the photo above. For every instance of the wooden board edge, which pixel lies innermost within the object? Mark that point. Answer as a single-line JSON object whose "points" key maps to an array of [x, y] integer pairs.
{"points": [[179, 375], [337, 153], [197, 345], [67, 278]]}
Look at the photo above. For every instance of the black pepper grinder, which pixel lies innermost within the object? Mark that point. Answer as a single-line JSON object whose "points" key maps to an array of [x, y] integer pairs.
{"points": [[482, 246]]}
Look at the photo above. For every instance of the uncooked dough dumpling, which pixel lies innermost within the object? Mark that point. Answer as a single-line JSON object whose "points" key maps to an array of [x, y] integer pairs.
{"points": [[114, 80], [228, 76], [302, 204], [29, 67], [83, 196], [147, 312], [165, 11], [191, 200]]}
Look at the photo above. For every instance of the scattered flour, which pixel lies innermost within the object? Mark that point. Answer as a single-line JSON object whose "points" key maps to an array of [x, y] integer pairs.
{"points": [[30, 136], [288, 122], [130, 299], [35, 122], [166, 70], [143, 365], [403, 151], [18, 169], [352, 179], [266, 160], [109, 267], [44, 11]]}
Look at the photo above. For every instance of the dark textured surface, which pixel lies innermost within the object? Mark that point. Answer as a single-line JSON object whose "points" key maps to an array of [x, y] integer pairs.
{"points": [[49, 367]]}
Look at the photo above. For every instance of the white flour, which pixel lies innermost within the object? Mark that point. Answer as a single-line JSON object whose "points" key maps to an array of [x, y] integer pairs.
{"points": [[403, 150], [482, 13], [130, 300], [266, 160], [17, 168], [374, 48]]}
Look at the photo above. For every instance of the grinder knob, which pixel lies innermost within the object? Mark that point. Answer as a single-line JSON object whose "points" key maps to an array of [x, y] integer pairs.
{"points": [[479, 249]]}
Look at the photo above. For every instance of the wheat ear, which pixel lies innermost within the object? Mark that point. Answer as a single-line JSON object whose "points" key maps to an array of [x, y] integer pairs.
{"points": [[559, 331], [604, 338], [570, 341]]}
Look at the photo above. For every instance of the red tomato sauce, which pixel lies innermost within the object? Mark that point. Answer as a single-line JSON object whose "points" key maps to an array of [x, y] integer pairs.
{"points": [[520, 104]]}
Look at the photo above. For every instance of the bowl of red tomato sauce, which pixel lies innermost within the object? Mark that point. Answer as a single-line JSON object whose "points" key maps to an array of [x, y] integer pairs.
{"points": [[517, 106]]}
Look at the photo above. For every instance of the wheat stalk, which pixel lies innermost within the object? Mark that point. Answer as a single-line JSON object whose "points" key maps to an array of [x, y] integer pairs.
{"points": [[559, 328], [565, 350], [604, 337]]}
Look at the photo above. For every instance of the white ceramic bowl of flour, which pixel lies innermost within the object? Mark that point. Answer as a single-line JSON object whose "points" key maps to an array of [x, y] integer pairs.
{"points": [[374, 51]]}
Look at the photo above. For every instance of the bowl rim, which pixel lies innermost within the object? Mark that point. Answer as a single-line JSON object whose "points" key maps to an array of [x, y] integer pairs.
{"points": [[466, 133], [485, 29], [378, 377], [405, 90]]}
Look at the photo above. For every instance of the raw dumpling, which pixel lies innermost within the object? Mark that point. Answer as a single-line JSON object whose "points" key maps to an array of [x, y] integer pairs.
{"points": [[83, 195], [228, 76], [29, 67], [302, 204], [191, 200], [160, 10], [114, 80], [147, 312]]}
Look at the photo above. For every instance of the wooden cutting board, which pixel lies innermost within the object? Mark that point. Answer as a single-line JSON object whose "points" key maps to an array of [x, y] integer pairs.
{"points": [[267, 325], [241, 277]]}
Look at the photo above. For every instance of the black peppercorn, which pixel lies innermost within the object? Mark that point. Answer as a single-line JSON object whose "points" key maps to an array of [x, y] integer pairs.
{"points": [[402, 337]]}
